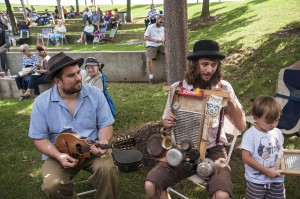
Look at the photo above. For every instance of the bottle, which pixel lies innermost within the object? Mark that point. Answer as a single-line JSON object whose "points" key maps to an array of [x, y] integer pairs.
{"points": [[8, 73]]}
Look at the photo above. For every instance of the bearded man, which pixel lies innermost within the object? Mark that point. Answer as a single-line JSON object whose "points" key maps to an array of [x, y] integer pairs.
{"points": [[204, 72], [71, 106]]}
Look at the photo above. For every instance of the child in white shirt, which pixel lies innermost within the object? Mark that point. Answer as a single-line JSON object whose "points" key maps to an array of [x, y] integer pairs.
{"points": [[262, 146]]}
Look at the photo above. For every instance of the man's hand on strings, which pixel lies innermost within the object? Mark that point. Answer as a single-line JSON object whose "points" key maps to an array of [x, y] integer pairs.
{"points": [[67, 161]]}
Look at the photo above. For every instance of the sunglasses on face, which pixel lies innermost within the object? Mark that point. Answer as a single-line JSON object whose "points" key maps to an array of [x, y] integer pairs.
{"points": [[22, 51]]}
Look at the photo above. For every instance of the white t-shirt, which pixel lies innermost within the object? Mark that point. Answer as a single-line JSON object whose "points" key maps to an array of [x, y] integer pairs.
{"points": [[59, 29], [156, 33], [88, 13], [89, 29], [265, 148]]}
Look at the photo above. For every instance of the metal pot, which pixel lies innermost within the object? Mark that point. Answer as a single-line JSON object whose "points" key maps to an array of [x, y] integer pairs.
{"points": [[175, 157], [206, 168]]}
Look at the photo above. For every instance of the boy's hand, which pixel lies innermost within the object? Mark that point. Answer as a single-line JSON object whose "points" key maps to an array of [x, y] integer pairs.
{"points": [[273, 172]]}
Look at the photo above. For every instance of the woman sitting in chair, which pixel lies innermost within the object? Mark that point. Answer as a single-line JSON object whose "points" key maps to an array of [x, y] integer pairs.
{"points": [[59, 32], [87, 33], [94, 76]]}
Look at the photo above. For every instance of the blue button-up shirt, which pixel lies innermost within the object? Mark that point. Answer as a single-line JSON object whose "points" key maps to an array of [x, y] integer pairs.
{"points": [[95, 18], [50, 115]]}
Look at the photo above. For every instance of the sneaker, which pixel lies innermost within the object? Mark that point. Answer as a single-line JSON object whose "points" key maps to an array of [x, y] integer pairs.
{"points": [[79, 41], [85, 43]]}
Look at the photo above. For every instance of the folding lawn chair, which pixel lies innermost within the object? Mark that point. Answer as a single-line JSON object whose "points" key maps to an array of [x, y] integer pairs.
{"points": [[64, 38], [111, 36], [46, 32], [288, 96]]}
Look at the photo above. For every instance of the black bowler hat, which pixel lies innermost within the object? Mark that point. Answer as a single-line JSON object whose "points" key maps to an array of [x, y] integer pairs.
{"points": [[60, 61], [206, 49]]}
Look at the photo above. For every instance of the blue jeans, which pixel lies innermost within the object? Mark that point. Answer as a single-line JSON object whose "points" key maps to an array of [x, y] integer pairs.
{"points": [[34, 82], [85, 18], [22, 82]]}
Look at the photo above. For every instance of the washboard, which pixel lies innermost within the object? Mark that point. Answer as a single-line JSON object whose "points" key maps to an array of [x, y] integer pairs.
{"points": [[290, 162], [190, 109]]}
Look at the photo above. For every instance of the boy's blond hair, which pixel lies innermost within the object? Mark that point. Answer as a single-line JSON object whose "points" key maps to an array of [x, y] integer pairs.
{"points": [[267, 107]]}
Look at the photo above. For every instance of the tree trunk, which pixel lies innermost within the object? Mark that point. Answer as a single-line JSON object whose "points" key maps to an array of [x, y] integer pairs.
{"points": [[112, 2], [176, 38], [24, 10], [205, 10], [60, 11], [11, 16], [77, 7], [128, 19]]}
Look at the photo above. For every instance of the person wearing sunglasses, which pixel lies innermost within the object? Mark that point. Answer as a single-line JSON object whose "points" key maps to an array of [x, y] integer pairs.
{"points": [[41, 71], [29, 61], [155, 38]]}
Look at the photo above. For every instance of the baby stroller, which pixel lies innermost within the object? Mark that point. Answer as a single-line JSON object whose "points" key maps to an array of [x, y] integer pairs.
{"points": [[99, 34], [288, 95]]}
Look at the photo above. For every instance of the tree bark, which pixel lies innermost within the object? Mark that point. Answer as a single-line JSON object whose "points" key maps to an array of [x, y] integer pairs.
{"points": [[77, 7], [11, 16], [60, 11], [24, 10], [176, 38], [129, 11], [205, 10]]}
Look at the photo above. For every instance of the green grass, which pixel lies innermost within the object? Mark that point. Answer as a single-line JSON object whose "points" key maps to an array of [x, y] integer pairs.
{"points": [[248, 34]]}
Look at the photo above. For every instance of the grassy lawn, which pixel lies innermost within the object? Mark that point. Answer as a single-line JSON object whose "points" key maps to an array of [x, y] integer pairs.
{"points": [[251, 34]]}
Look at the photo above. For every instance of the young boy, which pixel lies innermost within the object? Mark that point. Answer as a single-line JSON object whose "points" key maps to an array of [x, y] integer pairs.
{"points": [[261, 151]]}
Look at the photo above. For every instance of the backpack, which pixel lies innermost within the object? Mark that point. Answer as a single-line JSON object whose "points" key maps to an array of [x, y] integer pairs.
{"points": [[108, 98]]}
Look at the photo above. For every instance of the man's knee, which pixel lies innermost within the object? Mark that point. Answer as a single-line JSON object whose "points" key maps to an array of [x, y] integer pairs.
{"points": [[52, 186], [150, 189], [220, 194]]}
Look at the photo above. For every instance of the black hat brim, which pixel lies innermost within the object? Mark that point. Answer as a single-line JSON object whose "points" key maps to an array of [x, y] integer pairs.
{"points": [[206, 54], [49, 76]]}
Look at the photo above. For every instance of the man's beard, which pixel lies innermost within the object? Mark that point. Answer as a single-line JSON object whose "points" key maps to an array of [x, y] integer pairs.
{"points": [[72, 91], [201, 83]]}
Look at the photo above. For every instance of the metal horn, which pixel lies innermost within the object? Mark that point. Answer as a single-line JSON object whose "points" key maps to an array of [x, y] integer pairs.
{"points": [[167, 142]]}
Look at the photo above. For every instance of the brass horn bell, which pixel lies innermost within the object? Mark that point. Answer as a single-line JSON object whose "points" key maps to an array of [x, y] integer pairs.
{"points": [[166, 141]]}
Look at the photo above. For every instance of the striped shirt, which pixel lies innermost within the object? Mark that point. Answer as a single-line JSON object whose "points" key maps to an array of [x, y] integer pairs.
{"points": [[30, 61]]}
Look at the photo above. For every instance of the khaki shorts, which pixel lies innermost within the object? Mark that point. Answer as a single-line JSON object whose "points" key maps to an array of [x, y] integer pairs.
{"points": [[164, 176], [151, 52]]}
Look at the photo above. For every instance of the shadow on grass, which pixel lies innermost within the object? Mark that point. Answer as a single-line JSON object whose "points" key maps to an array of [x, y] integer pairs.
{"points": [[257, 78]]}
